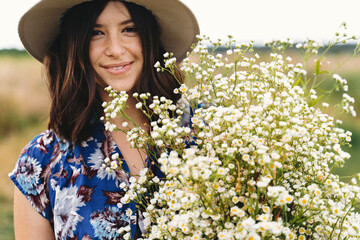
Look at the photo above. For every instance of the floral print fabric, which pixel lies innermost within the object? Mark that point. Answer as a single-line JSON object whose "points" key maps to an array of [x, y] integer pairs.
{"points": [[69, 186]]}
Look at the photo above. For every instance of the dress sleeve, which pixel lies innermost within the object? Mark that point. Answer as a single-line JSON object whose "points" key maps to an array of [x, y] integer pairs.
{"points": [[32, 171]]}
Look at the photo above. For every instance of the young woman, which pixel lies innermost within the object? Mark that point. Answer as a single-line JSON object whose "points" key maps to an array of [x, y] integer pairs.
{"points": [[63, 190]]}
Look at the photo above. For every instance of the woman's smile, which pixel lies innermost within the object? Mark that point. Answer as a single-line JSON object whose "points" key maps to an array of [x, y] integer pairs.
{"points": [[118, 69]]}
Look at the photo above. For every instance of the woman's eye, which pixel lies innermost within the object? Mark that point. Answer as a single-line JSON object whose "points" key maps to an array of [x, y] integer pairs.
{"points": [[96, 32], [130, 29]]}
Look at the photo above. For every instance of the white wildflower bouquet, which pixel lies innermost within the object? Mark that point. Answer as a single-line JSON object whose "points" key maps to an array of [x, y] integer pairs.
{"points": [[248, 151]]}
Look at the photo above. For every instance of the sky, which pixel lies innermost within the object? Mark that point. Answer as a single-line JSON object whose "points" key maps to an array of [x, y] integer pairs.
{"points": [[258, 20]]}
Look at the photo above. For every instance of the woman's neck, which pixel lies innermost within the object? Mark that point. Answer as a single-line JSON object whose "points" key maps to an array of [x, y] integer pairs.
{"points": [[136, 118], [135, 158], [136, 115]]}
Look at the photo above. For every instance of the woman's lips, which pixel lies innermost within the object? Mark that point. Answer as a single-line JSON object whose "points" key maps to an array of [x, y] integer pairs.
{"points": [[118, 68]]}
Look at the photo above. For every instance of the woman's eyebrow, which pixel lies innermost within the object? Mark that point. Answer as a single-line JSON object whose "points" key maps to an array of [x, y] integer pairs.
{"points": [[122, 23]]}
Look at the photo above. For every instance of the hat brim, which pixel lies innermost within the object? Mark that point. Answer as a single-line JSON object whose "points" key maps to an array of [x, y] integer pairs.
{"points": [[40, 25]]}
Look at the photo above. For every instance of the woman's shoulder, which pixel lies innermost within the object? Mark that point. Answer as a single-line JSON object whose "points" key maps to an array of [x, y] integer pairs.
{"points": [[41, 144], [49, 148], [44, 163], [35, 157], [48, 145], [34, 163], [40, 159]]}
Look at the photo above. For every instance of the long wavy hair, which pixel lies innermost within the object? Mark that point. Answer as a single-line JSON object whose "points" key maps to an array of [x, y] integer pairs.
{"points": [[72, 80]]}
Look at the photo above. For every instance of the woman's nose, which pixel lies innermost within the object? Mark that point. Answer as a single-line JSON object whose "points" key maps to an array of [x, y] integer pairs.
{"points": [[114, 46]]}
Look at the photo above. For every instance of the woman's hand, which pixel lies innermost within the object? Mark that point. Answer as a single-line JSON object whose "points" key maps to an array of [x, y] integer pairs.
{"points": [[29, 224]]}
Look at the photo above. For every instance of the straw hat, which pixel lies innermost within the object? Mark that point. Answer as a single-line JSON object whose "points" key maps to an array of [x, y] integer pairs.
{"points": [[39, 26]]}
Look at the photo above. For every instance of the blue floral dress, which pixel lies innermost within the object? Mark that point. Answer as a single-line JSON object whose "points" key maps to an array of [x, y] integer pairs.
{"points": [[69, 186]]}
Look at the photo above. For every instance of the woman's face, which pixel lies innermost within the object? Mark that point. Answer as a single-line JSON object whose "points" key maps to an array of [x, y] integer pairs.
{"points": [[115, 49]]}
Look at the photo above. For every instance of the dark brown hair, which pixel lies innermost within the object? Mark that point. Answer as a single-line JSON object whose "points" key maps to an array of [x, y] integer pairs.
{"points": [[73, 81]]}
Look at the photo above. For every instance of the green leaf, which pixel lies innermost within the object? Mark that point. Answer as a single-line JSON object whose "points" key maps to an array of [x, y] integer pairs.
{"points": [[317, 67], [208, 212]]}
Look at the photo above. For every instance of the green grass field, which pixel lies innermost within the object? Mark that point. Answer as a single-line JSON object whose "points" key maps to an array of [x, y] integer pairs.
{"points": [[24, 105], [6, 217]]}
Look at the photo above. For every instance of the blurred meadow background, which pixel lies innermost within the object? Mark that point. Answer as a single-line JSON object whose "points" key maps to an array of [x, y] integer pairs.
{"points": [[24, 106]]}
